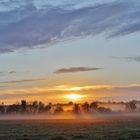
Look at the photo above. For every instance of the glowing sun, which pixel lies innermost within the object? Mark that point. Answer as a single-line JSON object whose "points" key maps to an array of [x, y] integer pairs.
{"points": [[74, 96]]}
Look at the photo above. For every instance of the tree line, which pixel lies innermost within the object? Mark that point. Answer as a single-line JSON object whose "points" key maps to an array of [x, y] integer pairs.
{"points": [[37, 107]]}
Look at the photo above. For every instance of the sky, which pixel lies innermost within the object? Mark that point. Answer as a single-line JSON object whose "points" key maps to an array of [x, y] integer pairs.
{"points": [[53, 48]]}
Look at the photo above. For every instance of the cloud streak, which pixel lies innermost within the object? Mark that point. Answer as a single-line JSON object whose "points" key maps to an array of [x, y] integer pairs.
{"points": [[2, 73], [31, 24], [23, 81], [10, 72], [130, 58], [136, 58], [75, 69], [94, 92]]}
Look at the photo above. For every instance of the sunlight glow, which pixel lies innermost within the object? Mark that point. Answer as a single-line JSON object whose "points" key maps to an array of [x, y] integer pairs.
{"points": [[74, 96]]}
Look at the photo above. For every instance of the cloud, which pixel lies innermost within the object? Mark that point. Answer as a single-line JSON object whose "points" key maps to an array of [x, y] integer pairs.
{"points": [[75, 69], [132, 58], [12, 72], [136, 58], [90, 92], [2, 73], [23, 81], [31, 24]]}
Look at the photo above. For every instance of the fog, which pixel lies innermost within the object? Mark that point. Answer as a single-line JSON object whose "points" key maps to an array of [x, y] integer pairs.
{"points": [[114, 107], [98, 117]]}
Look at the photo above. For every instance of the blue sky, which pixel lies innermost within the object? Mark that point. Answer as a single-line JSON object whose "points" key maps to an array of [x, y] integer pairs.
{"points": [[50, 43]]}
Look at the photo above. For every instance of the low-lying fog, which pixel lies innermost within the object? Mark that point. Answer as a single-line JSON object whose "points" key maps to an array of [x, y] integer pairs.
{"points": [[69, 116]]}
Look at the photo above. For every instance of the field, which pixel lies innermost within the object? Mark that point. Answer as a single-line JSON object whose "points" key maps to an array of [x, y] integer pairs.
{"points": [[71, 129]]}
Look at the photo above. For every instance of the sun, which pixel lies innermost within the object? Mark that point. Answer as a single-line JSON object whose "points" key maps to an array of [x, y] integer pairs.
{"points": [[74, 96]]}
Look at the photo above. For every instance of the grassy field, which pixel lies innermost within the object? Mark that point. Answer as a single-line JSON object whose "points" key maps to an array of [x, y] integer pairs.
{"points": [[111, 129]]}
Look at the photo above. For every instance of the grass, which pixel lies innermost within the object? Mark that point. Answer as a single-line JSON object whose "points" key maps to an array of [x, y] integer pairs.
{"points": [[70, 130]]}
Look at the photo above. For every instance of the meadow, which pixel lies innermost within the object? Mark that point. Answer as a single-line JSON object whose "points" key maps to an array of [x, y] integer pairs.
{"points": [[124, 128]]}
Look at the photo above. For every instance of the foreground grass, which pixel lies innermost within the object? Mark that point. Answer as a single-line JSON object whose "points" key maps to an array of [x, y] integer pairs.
{"points": [[111, 129]]}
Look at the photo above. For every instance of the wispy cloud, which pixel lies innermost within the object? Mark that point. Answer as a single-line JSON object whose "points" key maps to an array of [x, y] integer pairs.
{"points": [[10, 72], [130, 58], [90, 92], [75, 69], [27, 24], [4, 73], [23, 81], [136, 58]]}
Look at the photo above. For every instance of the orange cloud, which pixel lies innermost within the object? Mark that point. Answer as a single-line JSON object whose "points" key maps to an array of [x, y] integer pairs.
{"points": [[56, 93]]}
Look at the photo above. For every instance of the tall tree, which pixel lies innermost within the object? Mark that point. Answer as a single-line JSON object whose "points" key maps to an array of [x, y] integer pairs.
{"points": [[94, 106], [85, 107], [76, 108], [131, 106], [23, 105]]}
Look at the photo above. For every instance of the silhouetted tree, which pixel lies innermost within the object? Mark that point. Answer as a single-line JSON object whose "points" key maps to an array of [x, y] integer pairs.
{"points": [[23, 105], [70, 103], [94, 106], [76, 108], [13, 108], [131, 106], [85, 107], [41, 107], [35, 106], [48, 107], [2, 109], [103, 110], [58, 109]]}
